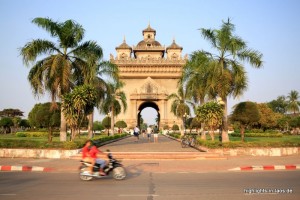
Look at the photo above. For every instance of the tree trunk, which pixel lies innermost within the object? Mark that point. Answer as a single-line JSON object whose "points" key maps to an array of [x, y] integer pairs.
{"points": [[50, 134], [211, 133], [112, 123], [90, 125], [182, 130], [203, 134], [63, 127], [225, 137], [243, 133]]}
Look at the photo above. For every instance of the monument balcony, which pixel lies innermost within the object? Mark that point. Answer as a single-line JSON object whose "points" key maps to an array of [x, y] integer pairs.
{"points": [[148, 96], [148, 61], [148, 48]]}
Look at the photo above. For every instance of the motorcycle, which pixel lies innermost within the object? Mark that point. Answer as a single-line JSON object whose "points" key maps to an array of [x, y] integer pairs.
{"points": [[114, 166]]}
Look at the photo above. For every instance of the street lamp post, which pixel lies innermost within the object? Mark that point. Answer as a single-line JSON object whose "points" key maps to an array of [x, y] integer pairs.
{"points": [[185, 116]]}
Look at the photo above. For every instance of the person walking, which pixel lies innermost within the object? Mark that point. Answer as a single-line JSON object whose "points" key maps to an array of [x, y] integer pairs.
{"points": [[155, 130], [136, 131], [149, 131]]}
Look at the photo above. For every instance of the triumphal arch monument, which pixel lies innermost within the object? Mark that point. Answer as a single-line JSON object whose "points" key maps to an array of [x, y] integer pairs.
{"points": [[150, 72]]}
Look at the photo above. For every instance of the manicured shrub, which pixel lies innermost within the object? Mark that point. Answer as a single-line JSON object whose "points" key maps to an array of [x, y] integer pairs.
{"points": [[175, 127]]}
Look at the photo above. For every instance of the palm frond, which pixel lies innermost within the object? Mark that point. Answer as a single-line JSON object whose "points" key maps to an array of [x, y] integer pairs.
{"points": [[251, 56], [36, 48], [47, 24]]}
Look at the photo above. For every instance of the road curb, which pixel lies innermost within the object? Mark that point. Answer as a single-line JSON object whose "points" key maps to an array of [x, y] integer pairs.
{"points": [[25, 168], [266, 167]]}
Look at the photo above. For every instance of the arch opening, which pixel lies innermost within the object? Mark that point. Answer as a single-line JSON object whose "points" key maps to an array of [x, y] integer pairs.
{"points": [[149, 112]]}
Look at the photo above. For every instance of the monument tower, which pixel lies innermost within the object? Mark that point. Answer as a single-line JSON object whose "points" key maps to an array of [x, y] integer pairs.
{"points": [[150, 73]]}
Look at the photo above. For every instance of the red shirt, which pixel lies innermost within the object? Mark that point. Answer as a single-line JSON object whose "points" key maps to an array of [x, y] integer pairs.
{"points": [[85, 152], [93, 152]]}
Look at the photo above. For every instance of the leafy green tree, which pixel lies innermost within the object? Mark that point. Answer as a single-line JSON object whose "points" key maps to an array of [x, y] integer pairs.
{"points": [[143, 126], [106, 122], [279, 105], [114, 101], [77, 105], [284, 122], [42, 115], [175, 127], [120, 125], [61, 64], [24, 123], [196, 123], [211, 113], [293, 102], [11, 112], [179, 106], [268, 119], [15, 115], [227, 75], [245, 113], [6, 123], [97, 126], [295, 124]]}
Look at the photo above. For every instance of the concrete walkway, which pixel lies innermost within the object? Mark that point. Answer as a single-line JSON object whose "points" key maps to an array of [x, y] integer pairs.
{"points": [[129, 144]]}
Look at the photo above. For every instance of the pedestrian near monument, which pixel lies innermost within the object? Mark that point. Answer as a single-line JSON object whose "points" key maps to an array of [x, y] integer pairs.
{"points": [[155, 135], [136, 132], [149, 131]]}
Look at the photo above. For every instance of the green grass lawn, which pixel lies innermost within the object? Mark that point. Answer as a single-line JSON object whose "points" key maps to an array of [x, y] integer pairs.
{"points": [[284, 141], [285, 138]]}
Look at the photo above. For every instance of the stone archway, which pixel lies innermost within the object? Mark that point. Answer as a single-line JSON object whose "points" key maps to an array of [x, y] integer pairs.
{"points": [[147, 104], [150, 73]]}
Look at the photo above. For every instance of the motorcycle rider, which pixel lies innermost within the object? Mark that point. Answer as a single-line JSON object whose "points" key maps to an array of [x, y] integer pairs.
{"points": [[94, 152], [86, 157]]}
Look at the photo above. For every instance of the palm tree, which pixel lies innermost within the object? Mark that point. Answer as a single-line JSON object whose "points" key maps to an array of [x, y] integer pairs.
{"points": [[293, 103], [114, 101], [94, 74], [55, 72], [179, 106], [228, 76], [195, 74]]}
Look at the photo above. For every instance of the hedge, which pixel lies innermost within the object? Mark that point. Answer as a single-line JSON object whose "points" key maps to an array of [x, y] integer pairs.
{"points": [[270, 134], [35, 134]]}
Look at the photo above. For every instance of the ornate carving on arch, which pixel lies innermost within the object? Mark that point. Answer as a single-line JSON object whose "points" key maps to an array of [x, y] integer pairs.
{"points": [[150, 90]]}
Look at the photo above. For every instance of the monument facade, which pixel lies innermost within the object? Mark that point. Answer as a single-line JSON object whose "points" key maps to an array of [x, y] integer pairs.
{"points": [[150, 72]]}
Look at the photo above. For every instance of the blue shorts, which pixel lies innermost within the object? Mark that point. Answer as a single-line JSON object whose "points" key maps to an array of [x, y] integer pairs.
{"points": [[101, 162]]}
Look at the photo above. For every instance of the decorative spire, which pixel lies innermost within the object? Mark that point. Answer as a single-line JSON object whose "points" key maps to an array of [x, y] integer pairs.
{"points": [[124, 40]]}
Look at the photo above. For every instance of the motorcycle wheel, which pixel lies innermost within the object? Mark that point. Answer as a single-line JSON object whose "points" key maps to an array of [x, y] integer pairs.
{"points": [[119, 173], [84, 177]]}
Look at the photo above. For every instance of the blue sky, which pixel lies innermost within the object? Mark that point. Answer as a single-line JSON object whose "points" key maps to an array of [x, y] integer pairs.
{"points": [[269, 26]]}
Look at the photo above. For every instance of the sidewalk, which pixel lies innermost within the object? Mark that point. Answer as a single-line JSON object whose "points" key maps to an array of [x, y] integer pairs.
{"points": [[163, 166]]}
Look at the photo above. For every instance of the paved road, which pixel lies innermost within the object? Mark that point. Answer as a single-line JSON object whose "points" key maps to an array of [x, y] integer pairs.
{"points": [[151, 186]]}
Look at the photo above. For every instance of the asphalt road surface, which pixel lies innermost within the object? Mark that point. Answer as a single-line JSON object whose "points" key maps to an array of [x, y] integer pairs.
{"points": [[150, 185]]}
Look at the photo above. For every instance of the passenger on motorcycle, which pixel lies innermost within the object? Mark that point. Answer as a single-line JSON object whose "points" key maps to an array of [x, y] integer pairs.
{"points": [[93, 153], [86, 157]]}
